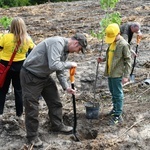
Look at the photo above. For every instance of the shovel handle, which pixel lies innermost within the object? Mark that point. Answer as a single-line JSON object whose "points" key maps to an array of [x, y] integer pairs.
{"points": [[72, 73], [139, 37]]}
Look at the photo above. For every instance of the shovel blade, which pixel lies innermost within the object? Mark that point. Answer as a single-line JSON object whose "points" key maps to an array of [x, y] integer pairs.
{"points": [[132, 78]]}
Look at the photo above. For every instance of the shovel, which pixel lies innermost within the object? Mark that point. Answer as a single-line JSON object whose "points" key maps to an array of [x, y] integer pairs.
{"points": [[132, 76], [97, 71], [92, 108], [72, 72]]}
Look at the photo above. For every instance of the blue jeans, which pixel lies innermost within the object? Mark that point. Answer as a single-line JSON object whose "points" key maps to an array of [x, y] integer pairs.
{"points": [[116, 90]]}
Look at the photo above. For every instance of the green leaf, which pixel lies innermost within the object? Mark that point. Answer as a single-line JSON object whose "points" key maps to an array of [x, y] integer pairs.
{"points": [[114, 17], [5, 21]]}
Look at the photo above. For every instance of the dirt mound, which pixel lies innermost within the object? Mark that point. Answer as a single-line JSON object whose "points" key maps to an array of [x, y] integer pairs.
{"points": [[65, 19]]}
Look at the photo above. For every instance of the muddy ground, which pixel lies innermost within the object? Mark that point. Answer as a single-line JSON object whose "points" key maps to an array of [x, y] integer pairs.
{"points": [[65, 19]]}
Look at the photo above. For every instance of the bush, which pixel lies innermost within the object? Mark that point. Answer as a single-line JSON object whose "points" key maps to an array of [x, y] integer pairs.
{"points": [[13, 3], [16, 3]]}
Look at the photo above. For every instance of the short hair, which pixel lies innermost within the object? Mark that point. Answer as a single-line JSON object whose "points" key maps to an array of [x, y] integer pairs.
{"points": [[136, 24]]}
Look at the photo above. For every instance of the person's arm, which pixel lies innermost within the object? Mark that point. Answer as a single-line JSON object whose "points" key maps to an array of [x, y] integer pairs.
{"points": [[101, 59], [63, 82], [56, 64], [127, 63], [133, 52], [62, 79], [31, 45], [54, 58], [28, 52]]}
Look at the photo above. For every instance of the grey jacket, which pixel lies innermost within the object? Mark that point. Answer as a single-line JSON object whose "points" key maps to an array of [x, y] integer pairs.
{"points": [[126, 32], [121, 63], [49, 56]]}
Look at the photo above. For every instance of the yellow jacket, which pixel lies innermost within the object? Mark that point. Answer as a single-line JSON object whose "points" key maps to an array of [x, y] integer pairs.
{"points": [[0, 39], [8, 44]]}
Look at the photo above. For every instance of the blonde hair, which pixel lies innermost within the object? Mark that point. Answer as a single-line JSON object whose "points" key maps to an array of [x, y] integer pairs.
{"points": [[18, 28]]}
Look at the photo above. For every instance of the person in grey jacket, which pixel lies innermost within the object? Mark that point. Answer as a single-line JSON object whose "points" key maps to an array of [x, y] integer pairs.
{"points": [[47, 57], [128, 29], [118, 67]]}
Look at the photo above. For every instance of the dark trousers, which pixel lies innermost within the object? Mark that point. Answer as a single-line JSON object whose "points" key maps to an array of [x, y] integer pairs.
{"points": [[14, 77], [32, 88]]}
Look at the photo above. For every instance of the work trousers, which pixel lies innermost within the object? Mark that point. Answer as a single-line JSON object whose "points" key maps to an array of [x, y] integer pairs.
{"points": [[14, 77], [116, 90], [32, 88]]}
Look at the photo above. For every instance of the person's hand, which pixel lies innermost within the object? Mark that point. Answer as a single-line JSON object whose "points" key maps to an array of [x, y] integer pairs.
{"points": [[125, 80], [70, 90], [99, 59], [139, 34], [134, 54], [73, 64]]}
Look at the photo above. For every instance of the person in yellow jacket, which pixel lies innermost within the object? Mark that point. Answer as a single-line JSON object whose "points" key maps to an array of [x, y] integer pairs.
{"points": [[8, 43]]}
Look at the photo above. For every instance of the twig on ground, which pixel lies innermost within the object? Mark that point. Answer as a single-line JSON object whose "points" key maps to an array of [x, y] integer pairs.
{"points": [[138, 96], [131, 102], [47, 147], [32, 147], [129, 128], [142, 93], [128, 83], [26, 147], [19, 125]]}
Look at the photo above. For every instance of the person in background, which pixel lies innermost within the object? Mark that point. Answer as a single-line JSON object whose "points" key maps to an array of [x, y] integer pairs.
{"points": [[1, 34], [47, 57], [128, 29], [118, 67], [8, 43], [7, 31]]}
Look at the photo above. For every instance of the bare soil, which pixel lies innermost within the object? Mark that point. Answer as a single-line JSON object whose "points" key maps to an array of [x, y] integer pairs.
{"points": [[65, 19]]}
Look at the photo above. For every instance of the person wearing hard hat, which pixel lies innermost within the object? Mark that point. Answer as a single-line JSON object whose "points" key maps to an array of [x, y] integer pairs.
{"points": [[118, 67]]}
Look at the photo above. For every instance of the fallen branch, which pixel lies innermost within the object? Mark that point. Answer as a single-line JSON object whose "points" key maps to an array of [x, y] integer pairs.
{"points": [[47, 147], [32, 147], [129, 129], [19, 125], [138, 96], [142, 93], [128, 83], [131, 102]]}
